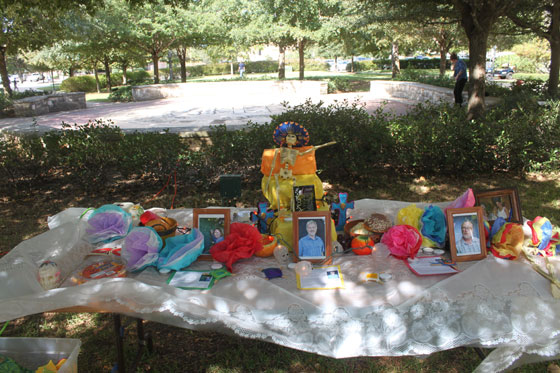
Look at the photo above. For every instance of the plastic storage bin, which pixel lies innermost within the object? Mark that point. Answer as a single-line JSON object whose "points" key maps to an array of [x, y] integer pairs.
{"points": [[32, 353]]}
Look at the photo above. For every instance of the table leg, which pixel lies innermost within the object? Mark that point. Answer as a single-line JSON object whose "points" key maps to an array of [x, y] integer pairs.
{"points": [[119, 334], [480, 353]]}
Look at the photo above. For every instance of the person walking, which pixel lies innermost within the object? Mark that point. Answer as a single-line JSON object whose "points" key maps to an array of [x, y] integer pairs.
{"points": [[241, 69], [460, 75]]}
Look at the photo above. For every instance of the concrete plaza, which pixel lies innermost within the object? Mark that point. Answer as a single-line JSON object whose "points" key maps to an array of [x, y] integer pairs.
{"points": [[192, 114]]}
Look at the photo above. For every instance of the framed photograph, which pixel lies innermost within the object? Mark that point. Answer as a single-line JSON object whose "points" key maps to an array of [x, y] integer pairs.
{"points": [[467, 241], [304, 198], [214, 225], [312, 236], [499, 203]]}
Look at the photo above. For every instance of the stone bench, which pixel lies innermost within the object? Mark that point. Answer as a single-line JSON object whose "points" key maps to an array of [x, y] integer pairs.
{"points": [[413, 91], [278, 88], [420, 92], [39, 105]]}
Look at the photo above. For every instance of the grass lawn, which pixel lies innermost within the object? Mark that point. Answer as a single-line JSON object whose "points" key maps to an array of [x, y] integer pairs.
{"points": [[97, 97], [25, 215]]}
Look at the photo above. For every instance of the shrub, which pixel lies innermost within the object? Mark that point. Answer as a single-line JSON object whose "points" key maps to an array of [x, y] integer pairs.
{"points": [[384, 64], [338, 84], [83, 83], [5, 101], [518, 136], [363, 140], [439, 139], [527, 136], [17, 95], [122, 94], [137, 77], [116, 80]]}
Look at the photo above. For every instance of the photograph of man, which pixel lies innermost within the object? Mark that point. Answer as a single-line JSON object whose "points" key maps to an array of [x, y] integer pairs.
{"points": [[311, 245], [467, 241]]}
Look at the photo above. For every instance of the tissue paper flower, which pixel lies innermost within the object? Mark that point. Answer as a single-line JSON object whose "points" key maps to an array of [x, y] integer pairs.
{"points": [[141, 248], [403, 241], [507, 243], [433, 225], [243, 241], [410, 215], [108, 223]]}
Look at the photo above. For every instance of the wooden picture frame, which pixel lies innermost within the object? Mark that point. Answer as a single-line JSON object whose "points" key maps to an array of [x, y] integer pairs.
{"points": [[214, 225], [466, 244], [311, 249], [499, 203]]}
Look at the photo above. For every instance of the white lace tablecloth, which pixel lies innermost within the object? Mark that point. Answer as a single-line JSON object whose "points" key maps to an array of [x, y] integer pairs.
{"points": [[491, 303]]}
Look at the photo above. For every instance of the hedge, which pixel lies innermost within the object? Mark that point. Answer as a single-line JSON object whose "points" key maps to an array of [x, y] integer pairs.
{"points": [[518, 136]]}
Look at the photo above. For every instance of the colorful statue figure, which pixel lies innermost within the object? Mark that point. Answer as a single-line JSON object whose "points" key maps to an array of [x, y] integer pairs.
{"points": [[341, 207], [262, 217], [293, 163], [290, 165]]}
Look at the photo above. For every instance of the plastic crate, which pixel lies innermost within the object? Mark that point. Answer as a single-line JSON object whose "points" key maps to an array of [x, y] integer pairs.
{"points": [[32, 353]]}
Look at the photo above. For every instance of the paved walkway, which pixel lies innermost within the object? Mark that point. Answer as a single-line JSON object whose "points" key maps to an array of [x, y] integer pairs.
{"points": [[191, 115]]}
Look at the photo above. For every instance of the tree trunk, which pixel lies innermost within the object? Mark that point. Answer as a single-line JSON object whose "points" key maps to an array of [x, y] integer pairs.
{"points": [[182, 55], [477, 22], [282, 62], [4, 72], [96, 78], [107, 72], [301, 47], [442, 60], [155, 61], [477, 73], [352, 65], [395, 63], [124, 67], [554, 65], [70, 72]]}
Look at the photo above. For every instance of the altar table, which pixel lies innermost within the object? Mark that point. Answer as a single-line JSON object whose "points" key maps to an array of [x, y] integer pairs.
{"points": [[492, 303]]}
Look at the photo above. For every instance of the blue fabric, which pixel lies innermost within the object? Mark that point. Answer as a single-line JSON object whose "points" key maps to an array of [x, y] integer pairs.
{"points": [[496, 227], [433, 224], [311, 247], [180, 251], [546, 229]]}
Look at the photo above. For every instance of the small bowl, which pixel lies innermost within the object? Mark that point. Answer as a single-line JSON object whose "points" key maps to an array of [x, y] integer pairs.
{"points": [[348, 227]]}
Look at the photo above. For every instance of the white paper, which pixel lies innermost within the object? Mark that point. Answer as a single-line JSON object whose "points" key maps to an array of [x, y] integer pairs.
{"points": [[328, 277], [429, 266], [191, 279]]}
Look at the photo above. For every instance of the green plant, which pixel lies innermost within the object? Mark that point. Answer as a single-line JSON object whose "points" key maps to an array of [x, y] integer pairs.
{"points": [[17, 95], [137, 77], [122, 94], [363, 141], [5, 102], [338, 85], [116, 80], [83, 83]]}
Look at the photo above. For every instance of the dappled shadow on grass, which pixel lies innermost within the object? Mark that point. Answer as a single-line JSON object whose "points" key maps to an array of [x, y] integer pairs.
{"points": [[182, 350]]}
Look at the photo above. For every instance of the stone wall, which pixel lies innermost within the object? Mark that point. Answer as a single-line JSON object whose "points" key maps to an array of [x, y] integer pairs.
{"points": [[39, 105], [281, 88], [413, 91]]}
